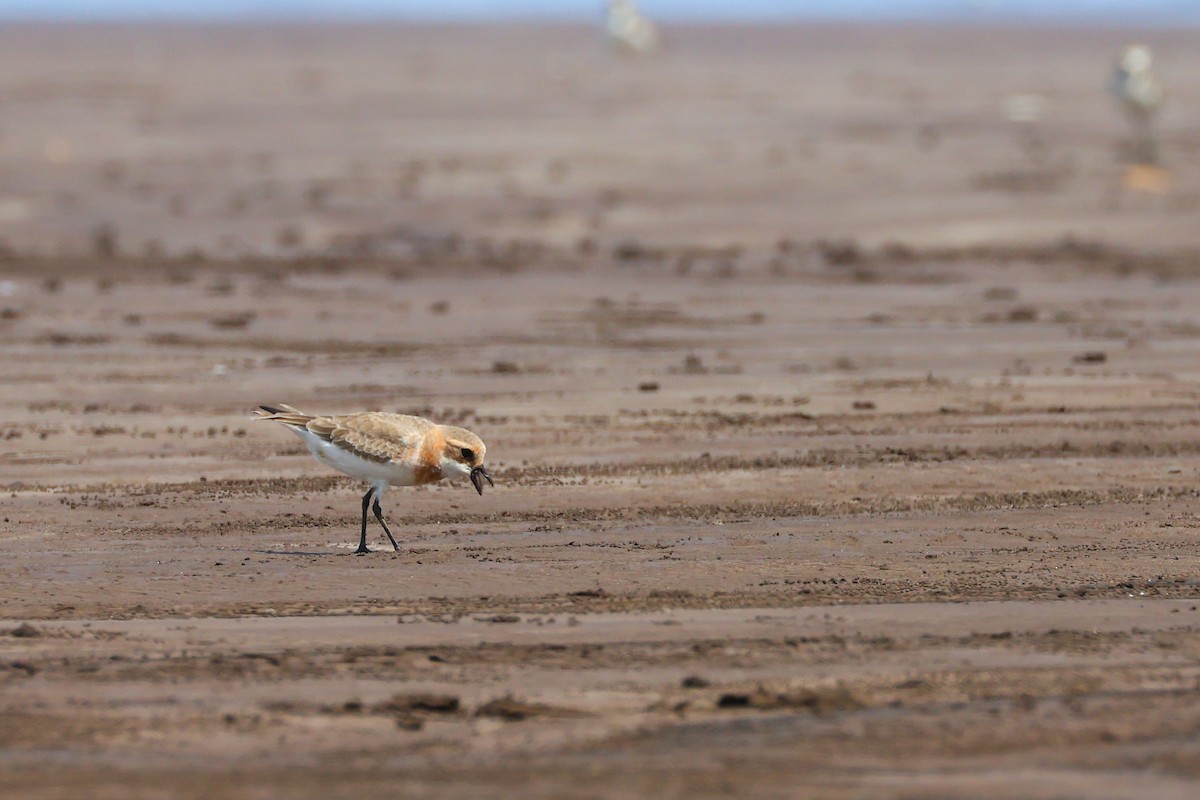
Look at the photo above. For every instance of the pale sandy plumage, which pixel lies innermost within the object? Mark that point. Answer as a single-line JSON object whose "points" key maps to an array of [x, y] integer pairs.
{"points": [[386, 450]]}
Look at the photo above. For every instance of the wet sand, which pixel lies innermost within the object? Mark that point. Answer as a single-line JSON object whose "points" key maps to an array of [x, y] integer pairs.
{"points": [[845, 432]]}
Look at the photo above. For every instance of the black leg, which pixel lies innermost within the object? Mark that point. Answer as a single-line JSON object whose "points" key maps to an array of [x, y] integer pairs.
{"points": [[379, 516], [362, 542]]}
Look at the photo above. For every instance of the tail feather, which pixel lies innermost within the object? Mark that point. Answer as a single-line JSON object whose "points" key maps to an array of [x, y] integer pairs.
{"points": [[285, 414]]}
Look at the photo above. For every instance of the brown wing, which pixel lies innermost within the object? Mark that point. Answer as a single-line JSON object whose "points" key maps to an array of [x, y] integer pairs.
{"points": [[374, 436]]}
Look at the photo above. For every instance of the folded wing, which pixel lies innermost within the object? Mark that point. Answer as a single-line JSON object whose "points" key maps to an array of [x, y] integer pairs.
{"points": [[374, 436]]}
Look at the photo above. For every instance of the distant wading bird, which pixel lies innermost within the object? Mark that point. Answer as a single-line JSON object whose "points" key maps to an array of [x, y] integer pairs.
{"points": [[386, 450], [629, 29], [1140, 94]]}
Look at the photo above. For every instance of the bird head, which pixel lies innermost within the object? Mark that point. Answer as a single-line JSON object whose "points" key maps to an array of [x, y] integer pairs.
{"points": [[463, 454]]}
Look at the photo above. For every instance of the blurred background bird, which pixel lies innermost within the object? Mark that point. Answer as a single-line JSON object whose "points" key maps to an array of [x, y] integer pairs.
{"points": [[1140, 94], [630, 30]]}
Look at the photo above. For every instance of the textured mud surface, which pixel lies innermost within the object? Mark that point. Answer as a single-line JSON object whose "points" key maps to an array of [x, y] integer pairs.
{"points": [[846, 435]]}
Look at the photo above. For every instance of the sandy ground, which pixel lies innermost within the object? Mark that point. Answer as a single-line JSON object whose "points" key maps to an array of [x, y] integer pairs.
{"points": [[845, 432]]}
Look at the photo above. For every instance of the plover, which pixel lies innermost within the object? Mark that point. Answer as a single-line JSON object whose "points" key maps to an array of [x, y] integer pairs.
{"points": [[630, 29], [386, 450], [1140, 94]]}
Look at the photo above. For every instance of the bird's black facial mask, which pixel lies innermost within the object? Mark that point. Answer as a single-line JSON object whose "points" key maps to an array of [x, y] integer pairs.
{"points": [[478, 476]]}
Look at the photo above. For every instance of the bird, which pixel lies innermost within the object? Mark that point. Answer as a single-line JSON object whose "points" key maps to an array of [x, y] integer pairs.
{"points": [[386, 450], [1140, 94], [630, 29]]}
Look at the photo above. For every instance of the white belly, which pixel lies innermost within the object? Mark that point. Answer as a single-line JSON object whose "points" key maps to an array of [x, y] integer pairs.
{"points": [[344, 461]]}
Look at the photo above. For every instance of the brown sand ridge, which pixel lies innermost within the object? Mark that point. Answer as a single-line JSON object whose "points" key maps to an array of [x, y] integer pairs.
{"points": [[845, 433]]}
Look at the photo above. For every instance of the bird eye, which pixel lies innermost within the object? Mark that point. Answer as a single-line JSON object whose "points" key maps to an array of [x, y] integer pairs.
{"points": [[468, 454]]}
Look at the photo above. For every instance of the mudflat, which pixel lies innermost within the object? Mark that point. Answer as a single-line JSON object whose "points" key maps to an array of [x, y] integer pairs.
{"points": [[843, 419]]}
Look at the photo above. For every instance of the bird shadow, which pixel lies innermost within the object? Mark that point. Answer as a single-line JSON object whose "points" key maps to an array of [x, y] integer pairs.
{"points": [[296, 553]]}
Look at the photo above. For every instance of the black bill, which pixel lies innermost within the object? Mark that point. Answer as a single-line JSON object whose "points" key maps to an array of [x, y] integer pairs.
{"points": [[478, 476]]}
